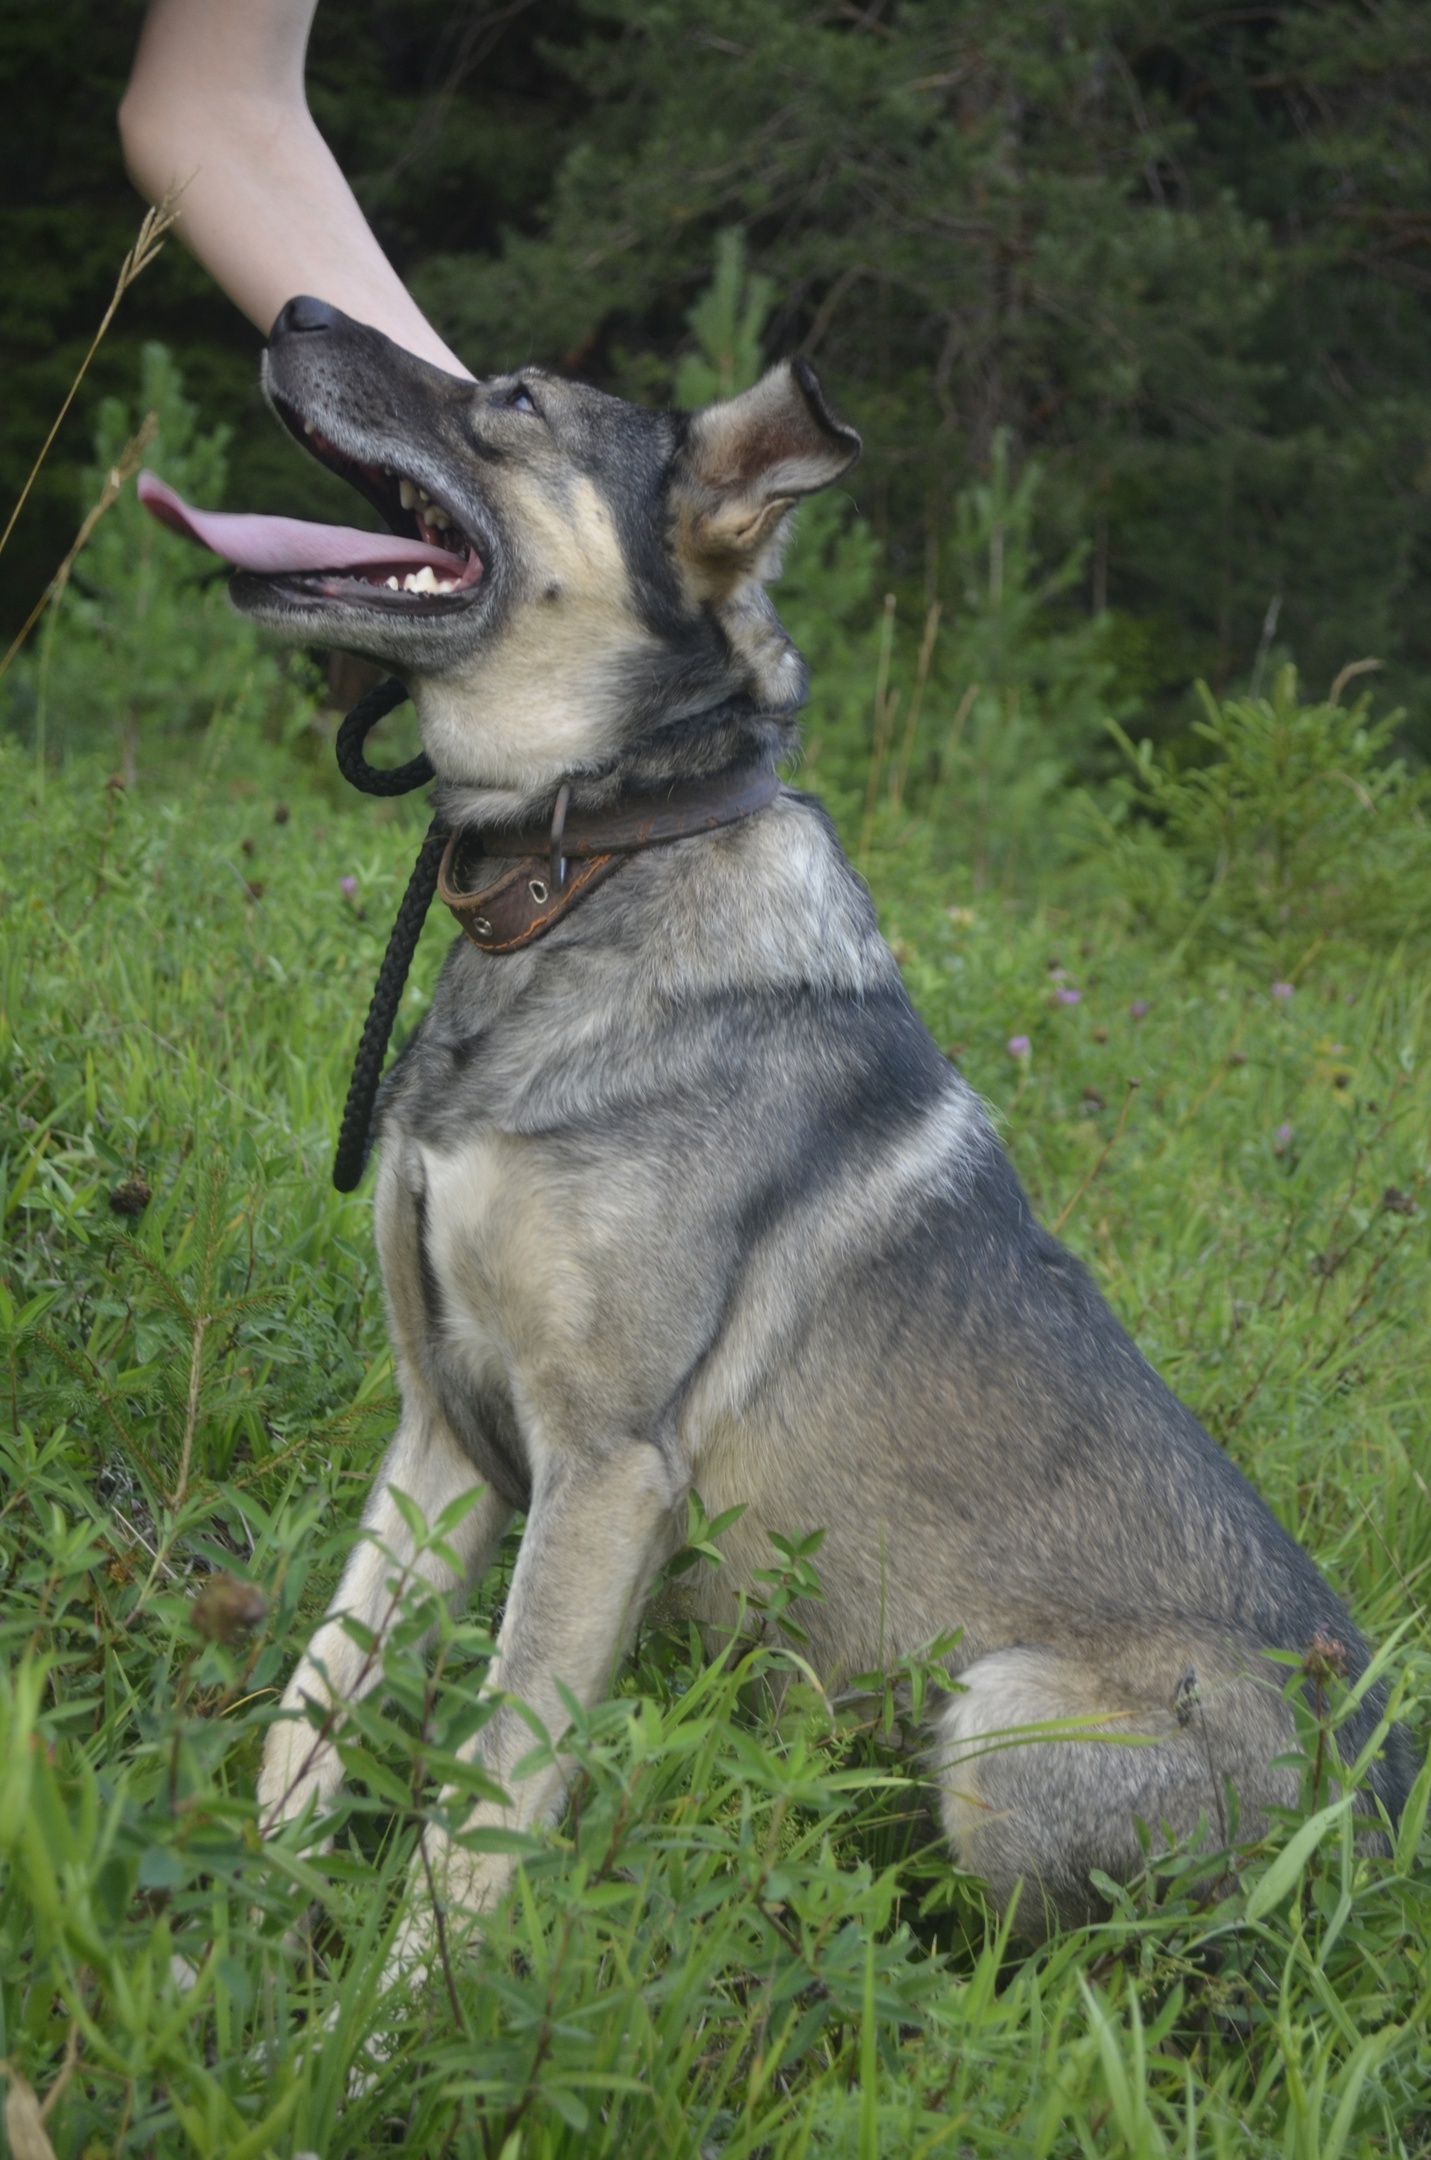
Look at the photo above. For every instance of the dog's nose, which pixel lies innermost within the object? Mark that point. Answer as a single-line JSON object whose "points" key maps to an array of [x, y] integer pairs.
{"points": [[301, 315]]}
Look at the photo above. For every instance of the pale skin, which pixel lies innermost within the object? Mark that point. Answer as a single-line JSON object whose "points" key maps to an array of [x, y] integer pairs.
{"points": [[216, 106]]}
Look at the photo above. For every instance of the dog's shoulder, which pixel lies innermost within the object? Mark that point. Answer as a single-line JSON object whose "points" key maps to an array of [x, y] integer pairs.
{"points": [[772, 905], [746, 961]]}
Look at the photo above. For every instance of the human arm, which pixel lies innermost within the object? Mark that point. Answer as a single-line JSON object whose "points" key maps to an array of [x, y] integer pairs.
{"points": [[216, 104]]}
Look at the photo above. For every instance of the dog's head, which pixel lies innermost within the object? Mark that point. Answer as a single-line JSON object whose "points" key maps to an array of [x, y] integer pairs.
{"points": [[598, 570]]}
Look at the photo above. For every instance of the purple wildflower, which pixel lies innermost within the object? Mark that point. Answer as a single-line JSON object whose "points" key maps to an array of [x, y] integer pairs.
{"points": [[348, 886], [1282, 991], [1281, 1139], [1138, 1009], [1065, 994], [1019, 1046]]}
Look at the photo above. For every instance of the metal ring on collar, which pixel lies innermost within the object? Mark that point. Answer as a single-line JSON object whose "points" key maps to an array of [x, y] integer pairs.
{"points": [[558, 860]]}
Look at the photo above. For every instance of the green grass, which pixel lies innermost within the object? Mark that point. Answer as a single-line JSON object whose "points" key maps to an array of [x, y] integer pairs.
{"points": [[743, 1938]]}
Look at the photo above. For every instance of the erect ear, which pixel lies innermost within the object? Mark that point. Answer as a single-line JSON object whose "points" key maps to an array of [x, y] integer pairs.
{"points": [[748, 461]]}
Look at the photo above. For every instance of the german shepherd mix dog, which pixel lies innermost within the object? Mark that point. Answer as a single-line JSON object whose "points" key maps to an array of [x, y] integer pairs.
{"points": [[683, 1195]]}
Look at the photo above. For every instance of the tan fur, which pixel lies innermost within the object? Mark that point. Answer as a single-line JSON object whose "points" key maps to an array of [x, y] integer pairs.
{"points": [[1030, 1718], [549, 697]]}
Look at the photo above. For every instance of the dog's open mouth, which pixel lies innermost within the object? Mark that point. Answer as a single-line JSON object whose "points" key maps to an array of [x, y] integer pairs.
{"points": [[427, 562]]}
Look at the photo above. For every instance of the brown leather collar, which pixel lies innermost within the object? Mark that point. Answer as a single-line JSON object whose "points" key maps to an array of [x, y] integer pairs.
{"points": [[537, 874]]}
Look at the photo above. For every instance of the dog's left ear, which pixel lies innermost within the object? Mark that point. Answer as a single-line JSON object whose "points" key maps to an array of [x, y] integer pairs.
{"points": [[746, 462]]}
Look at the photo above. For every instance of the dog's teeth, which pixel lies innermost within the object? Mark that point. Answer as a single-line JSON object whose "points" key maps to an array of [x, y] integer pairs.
{"points": [[437, 517], [426, 580], [407, 494], [392, 585]]}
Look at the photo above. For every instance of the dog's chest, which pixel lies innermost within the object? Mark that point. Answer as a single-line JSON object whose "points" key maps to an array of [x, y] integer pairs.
{"points": [[495, 1296], [451, 1269], [547, 1288]]}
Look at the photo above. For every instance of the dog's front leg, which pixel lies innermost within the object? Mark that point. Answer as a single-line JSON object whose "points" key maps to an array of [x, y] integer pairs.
{"points": [[596, 1533], [300, 1762]]}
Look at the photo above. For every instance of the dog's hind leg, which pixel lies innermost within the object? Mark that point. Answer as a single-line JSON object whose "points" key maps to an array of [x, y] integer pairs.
{"points": [[1045, 1768], [300, 1763], [596, 1533]]}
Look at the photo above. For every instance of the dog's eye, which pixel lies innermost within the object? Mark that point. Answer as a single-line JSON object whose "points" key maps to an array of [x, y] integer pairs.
{"points": [[522, 400]]}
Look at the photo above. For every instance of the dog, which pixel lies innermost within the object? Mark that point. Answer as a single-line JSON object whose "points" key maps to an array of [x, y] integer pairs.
{"points": [[681, 1195]]}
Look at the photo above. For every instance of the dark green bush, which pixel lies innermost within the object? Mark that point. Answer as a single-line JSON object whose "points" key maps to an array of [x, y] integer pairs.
{"points": [[1299, 829]]}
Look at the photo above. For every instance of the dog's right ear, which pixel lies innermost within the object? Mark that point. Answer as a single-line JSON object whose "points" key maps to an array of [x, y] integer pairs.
{"points": [[744, 465]]}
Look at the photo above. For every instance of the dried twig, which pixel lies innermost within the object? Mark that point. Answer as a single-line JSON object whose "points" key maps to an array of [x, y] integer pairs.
{"points": [[139, 1538], [1348, 674], [151, 239], [1070, 1204], [1264, 643], [921, 678], [119, 473], [26, 2115], [25, 2130], [884, 704], [191, 1407]]}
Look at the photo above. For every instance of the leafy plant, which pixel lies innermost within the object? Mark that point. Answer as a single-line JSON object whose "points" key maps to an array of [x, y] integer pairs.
{"points": [[728, 325], [1298, 828], [958, 733], [745, 1935]]}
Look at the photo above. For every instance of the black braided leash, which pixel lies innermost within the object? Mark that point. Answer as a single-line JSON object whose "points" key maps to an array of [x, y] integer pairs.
{"points": [[352, 1153], [359, 725]]}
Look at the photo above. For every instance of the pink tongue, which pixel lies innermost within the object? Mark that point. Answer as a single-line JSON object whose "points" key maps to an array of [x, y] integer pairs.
{"points": [[272, 544]]}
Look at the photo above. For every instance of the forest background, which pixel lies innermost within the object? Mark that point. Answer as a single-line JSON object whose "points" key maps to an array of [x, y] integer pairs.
{"points": [[1131, 305], [1181, 252]]}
